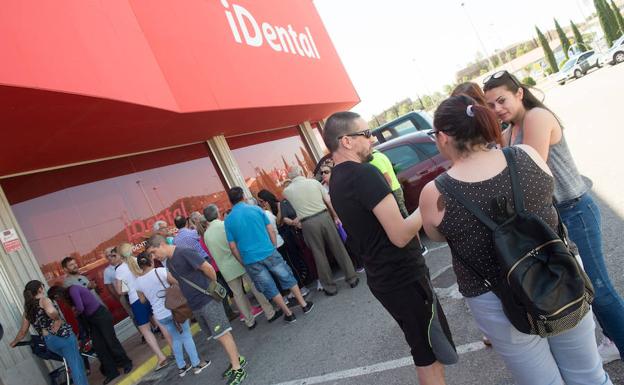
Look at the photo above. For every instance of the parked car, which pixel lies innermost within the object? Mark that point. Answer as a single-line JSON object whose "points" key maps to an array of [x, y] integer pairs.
{"points": [[615, 54], [416, 161], [411, 122], [577, 66]]}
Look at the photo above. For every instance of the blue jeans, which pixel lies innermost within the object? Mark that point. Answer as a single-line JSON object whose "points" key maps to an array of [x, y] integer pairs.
{"points": [[260, 273], [582, 218], [68, 348], [570, 357], [179, 340]]}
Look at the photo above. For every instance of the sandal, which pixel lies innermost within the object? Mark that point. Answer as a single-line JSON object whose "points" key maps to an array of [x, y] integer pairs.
{"points": [[162, 364]]}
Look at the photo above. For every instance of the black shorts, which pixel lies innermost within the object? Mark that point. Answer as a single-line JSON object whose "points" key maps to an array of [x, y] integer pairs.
{"points": [[418, 312]]}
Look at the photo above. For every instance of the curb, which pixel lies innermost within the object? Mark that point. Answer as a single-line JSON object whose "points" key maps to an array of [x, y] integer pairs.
{"points": [[148, 366]]}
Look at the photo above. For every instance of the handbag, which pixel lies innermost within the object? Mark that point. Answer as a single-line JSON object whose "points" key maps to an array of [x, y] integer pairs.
{"points": [[176, 302], [542, 288]]}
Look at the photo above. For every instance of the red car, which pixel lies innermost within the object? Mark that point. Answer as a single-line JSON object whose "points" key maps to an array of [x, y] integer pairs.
{"points": [[416, 162]]}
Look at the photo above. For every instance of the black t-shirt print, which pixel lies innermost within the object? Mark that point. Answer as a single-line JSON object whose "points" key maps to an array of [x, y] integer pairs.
{"points": [[356, 188]]}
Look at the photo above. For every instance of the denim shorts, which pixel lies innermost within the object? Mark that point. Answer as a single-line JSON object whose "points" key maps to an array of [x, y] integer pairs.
{"points": [[142, 312], [262, 273]]}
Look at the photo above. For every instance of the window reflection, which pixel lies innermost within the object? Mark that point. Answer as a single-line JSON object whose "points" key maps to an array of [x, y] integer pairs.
{"points": [[83, 220], [265, 165]]}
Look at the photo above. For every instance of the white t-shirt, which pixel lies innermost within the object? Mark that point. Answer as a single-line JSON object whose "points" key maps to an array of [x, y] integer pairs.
{"points": [[109, 275], [273, 219], [123, 274], [154, 291]]}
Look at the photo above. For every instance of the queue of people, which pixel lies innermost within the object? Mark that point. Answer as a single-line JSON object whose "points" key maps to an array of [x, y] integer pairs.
{"points": [[508, 152]]}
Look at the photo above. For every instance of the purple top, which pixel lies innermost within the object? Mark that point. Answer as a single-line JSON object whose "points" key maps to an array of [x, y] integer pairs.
{"points": [[84, 301]]}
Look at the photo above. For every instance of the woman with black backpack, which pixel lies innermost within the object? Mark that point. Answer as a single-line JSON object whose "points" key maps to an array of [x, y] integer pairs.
{"points": [[481, 178], [532, 123]]}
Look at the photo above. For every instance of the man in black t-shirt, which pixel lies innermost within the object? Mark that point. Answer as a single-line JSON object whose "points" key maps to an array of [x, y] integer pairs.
{"points": [[395, 268]]}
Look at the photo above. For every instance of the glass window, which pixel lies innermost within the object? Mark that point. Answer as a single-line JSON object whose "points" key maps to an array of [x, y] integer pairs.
{"points": [[265, 165], [405, 127], [402, 157], [428, 148], [83, 220]]}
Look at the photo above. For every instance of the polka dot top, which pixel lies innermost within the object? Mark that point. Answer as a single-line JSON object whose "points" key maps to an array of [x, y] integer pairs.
{"points": [[471, 239]]}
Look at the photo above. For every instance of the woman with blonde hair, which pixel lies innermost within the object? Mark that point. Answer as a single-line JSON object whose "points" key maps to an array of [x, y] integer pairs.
{"points": [[126, 274]]}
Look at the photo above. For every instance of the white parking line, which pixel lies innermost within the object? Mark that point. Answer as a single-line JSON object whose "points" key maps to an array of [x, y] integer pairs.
{"points": [[380, 367]]}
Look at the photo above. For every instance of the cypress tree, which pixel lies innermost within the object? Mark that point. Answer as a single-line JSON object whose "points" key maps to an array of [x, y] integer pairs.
{"points": [[548, 53], [615, 28], [565, 43], [605, 16], [578, 37], [618, 17]]}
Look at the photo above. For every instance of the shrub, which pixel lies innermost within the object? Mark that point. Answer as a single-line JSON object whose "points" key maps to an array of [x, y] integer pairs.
{"points": [[529, 81]]}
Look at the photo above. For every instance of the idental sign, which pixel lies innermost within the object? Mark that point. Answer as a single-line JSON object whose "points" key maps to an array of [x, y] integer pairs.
{"points": [[280, 39]]}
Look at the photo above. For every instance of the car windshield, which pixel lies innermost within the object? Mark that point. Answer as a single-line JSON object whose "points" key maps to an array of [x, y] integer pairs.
{"points": [[569, 64]]}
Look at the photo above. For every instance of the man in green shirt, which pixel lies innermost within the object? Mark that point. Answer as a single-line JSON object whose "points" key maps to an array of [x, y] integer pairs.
{"points": [[384, 165], [233, 272]]}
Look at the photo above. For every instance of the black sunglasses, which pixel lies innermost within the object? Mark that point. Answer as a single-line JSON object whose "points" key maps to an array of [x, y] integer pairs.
{"points": [[325, 172], [433, 134], [500, 74], [365, 133]]}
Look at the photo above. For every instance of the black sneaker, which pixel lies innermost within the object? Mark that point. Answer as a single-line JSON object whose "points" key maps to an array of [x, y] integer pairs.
{"points": [[237, 376], [182, 371], [228, 372], [354, 283], [253, 326], [277, 315], [202, 365], [308, 307], [329, 293], [290, 318]]}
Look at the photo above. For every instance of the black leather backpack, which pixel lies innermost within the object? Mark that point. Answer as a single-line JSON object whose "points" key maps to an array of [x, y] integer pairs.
{"points": [[543, 289]]}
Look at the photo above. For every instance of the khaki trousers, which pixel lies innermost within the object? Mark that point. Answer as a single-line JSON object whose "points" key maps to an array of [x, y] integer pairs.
{"points": [[318, 232], [242, 302]]}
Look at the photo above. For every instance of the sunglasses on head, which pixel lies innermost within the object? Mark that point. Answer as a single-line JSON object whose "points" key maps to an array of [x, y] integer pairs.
{"points": [[500, 74], [365, 133]]}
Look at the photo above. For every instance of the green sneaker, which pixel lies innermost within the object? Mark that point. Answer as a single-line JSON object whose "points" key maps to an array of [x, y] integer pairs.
{"points": [[228, 372], [237, 376]]}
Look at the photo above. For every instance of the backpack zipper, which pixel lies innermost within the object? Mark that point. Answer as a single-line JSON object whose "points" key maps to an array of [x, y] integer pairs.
{"points": [[563, 308], [527, 255]]}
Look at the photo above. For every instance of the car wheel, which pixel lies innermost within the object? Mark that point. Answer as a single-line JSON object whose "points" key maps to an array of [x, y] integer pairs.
{"points": [[618, 57], [578, 73]]}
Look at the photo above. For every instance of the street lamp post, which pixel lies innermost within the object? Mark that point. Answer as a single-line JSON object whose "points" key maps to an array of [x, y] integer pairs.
{"points": [[463, 5], [138, 182]]}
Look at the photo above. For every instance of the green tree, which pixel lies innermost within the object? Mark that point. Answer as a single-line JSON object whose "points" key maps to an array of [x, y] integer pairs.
{"points": [[607, 19], [548, 53], [565, 43], [618, 17], [578, 37]]}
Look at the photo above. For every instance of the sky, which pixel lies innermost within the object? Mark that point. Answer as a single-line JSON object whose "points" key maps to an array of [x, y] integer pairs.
{"points": [[393, 49]]}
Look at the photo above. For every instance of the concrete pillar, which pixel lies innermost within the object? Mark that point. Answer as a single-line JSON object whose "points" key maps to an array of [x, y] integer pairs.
{"points": [[17, 365], [317, 148], [227, 164]]}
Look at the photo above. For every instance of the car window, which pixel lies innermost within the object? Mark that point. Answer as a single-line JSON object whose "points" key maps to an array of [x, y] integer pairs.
{"points": [[402, 157], [584, 56], [387, 134], [405, 127], [428, 148]]}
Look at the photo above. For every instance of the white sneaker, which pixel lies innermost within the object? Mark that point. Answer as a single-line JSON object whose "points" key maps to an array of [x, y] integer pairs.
{"points": [[608, 351], [304, 291], [319, 287]]}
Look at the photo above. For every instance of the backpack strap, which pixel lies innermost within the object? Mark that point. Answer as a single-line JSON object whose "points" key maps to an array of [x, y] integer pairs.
{"points": [[444, 184], [515, 183]]}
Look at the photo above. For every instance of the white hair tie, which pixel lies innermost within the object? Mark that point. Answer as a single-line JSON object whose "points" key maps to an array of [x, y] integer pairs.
{"points": [[469, 111]]}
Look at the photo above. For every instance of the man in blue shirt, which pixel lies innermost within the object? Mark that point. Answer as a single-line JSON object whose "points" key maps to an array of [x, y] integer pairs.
{"points": [[188, 238], [252, 241]]}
